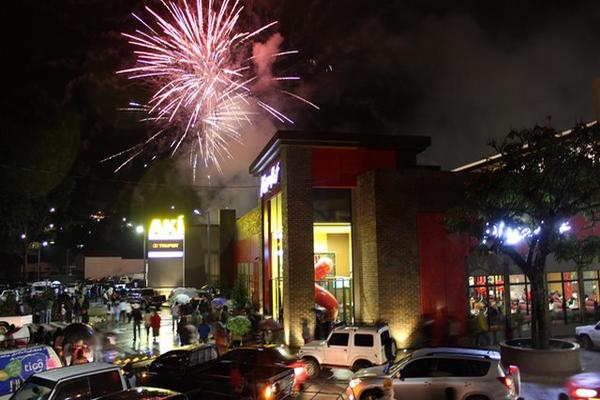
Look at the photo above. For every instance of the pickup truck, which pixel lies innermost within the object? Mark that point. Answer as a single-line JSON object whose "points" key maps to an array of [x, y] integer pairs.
{"points": [[588, 335], [84, 381], [147, 297], [197, 369]]}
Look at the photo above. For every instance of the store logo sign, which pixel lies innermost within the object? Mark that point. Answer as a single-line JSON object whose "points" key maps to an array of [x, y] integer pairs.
{"points": [[166, 229], [267, 181]]}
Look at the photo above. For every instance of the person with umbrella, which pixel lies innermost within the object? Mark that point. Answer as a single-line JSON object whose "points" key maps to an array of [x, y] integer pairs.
{"points": [[175, 312]]}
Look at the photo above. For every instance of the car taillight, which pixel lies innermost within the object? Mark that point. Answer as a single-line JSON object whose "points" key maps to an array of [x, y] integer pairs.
{"points": [[298, 371], [584, 393], [513, 370], [506, 381]]}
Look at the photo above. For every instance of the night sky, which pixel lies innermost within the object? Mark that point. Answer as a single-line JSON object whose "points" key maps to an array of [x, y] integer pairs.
{"points": [[461, 72]]}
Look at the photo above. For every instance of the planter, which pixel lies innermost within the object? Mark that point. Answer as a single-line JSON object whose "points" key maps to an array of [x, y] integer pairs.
{"points": [[561, 359]]}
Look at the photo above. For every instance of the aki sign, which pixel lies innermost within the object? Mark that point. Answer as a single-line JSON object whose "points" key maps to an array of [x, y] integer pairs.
{"points": [[269, 180], [166, 237]]}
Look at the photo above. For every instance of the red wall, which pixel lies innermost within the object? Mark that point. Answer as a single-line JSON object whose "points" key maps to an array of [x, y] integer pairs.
{"points": [[339, 167], [442, 269]]}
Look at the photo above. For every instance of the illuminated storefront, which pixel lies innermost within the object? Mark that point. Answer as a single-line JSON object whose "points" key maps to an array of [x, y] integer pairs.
{"points": [[332, 208]]}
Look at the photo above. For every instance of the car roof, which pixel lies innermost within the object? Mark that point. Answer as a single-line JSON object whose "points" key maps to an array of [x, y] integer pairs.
{"points": [[457, 351], [358, 328], [75, 370]]}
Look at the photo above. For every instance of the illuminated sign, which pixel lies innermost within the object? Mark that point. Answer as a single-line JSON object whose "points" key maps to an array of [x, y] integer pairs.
{"points": [[267, 181], [167, 229], [165, 238]]}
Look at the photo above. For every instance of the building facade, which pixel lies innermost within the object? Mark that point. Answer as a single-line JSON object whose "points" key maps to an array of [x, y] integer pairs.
{"points": [[351, 228]]}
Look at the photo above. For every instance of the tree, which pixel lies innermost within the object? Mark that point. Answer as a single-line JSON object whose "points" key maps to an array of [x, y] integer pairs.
{"points": [[239, 294], [520, 204]]}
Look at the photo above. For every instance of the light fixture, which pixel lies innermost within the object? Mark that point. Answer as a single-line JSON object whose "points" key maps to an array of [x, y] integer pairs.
{"points": [[197, 212], [139, 229], [23, 236]]}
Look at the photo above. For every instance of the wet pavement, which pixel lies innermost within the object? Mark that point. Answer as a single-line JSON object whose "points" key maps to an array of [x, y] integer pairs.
{"points": [[331, 383]]}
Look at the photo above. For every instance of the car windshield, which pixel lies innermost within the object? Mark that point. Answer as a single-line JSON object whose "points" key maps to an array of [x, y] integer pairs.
{"points": [[397, 366], [34, 388]]}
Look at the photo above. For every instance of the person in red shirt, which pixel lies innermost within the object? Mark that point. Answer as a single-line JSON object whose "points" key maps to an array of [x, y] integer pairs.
{"points": [[155, 325]]}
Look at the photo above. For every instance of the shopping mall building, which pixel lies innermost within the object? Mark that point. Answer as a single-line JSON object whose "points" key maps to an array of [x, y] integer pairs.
{"points": [[362, 203]]}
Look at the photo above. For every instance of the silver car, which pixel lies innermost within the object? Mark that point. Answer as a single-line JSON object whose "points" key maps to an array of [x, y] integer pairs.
{"points": [[439, 373]]}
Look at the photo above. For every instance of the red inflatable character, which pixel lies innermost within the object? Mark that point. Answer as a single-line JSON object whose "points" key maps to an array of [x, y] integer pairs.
{"points": [[323, 297]]}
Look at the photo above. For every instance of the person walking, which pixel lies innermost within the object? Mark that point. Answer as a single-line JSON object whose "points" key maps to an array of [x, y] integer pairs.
{"points": [[155, 324], [305, 331], [137, 317], [49, 309], [147, 317], [175, 313], [203, 331]]}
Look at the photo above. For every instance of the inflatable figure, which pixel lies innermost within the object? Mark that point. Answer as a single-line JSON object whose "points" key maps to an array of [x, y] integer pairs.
{"points": [[323, 297]]}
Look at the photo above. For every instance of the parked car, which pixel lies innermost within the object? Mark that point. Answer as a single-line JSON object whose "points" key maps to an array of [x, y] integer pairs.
{"points": [[85, 381], [8, 292], [584, 386], [197, 370], [588, 335], [147, 297], [16, 365], [268, 355], [439, 373], [145, 393], [354, 347]]}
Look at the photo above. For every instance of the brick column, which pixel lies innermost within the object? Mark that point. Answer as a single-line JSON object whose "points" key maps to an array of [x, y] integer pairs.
{"points": [[366, 283], [398, 258], [298, 249]]}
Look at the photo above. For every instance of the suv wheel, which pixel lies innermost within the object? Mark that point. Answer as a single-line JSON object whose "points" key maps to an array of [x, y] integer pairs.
{"points": [[312, 367], [587, 342], [360, 364]]}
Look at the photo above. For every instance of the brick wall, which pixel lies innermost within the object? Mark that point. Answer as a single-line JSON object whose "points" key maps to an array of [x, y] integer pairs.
{"points": [[298, 269], [386, 206], [250, 224]]}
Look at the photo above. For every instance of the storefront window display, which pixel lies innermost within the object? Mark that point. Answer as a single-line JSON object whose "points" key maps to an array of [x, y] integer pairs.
{"points": [[563, 295], [333, 269], [273, 257]]}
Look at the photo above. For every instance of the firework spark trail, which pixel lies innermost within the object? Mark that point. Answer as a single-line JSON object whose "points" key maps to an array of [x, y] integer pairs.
{"points": [[201, 71]]}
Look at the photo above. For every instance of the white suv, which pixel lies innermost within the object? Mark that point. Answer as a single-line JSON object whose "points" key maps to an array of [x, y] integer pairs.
{"points": [[439, 373], [588, 335], [352, 347]]}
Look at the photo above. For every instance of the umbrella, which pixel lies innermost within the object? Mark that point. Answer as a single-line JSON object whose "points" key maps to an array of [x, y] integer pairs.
{"points": [[269, 325], [219, 301], [181, 298], [78, 331], [188, 291]]}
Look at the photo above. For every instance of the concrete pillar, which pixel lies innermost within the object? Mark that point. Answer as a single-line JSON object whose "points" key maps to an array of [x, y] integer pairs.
{"points": [[298, 253]]}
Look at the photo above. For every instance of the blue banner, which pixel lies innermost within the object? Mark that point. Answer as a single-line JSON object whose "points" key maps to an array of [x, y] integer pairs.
{"points": [[19, 364]]}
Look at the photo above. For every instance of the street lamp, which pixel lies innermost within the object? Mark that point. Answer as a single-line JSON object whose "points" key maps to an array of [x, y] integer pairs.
{"points": [[140, 230]]}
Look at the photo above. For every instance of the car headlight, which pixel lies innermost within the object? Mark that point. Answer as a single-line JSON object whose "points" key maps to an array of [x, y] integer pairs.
{"points": [[585, 393], [354, 382]]}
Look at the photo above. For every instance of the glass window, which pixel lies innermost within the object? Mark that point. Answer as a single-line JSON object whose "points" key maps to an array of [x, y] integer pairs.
{"points": [[476, 368], [34, 388], [417, 369], [554, 277], [338, 339], [362, 340], [518, 298], [517, 279], [73, 389], [448, 367], [570, 276], [105, 383], [590, 274], [385, 338]]}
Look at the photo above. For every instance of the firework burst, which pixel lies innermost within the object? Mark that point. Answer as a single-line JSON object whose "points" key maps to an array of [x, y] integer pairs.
{"points": [[201, 69]]}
